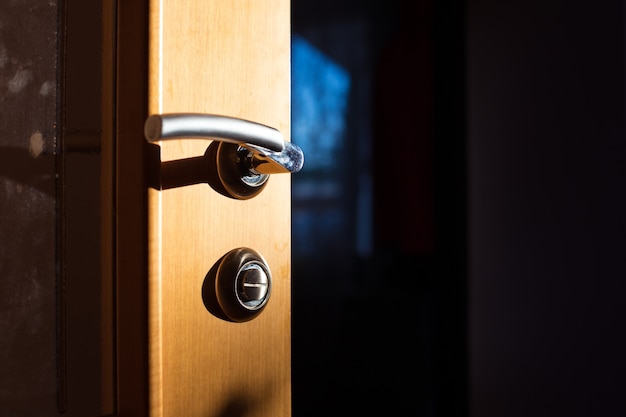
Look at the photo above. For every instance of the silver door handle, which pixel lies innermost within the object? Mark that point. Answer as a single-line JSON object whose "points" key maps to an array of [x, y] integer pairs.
{"points": [[198, 125], [248, 152]]}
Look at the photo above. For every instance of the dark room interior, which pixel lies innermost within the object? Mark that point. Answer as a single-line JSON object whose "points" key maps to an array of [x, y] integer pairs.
{"points": [[485, 277], [458, 231], [378, 225]]}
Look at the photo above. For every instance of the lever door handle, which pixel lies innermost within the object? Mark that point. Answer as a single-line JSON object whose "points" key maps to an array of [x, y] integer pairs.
{"points": [[248, 151], [208, 126]]}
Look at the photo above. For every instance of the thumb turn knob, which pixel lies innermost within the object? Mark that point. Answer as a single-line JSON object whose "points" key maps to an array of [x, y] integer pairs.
{"points": [[243, 284]]}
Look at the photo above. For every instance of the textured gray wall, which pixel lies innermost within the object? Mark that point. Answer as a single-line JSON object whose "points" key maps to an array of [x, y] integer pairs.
{"points": [[28, 134], [56, 305]]}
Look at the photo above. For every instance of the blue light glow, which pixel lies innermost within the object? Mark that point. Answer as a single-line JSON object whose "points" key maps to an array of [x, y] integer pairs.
{"points": [[320, 90]]}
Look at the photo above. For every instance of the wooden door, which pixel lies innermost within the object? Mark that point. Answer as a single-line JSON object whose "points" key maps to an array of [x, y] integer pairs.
{"points": [[229, 58]]}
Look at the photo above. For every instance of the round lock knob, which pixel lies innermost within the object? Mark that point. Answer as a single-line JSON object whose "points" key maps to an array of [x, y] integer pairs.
{"points": [[243, 284]]}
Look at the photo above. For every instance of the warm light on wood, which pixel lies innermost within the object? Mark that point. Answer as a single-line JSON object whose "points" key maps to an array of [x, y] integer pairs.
{"points": [[228, 58]]}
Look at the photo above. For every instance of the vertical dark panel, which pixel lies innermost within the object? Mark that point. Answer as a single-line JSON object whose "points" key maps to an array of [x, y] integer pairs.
{"points": [[132, 164], [450, 208], [86, 193]]}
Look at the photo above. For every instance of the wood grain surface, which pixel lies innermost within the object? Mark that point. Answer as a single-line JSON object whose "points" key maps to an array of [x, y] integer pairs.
{"points": [[232, 59]]}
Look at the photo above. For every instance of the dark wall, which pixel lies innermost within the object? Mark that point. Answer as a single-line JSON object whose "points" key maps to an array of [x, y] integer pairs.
{"points": [[547, 208]]}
